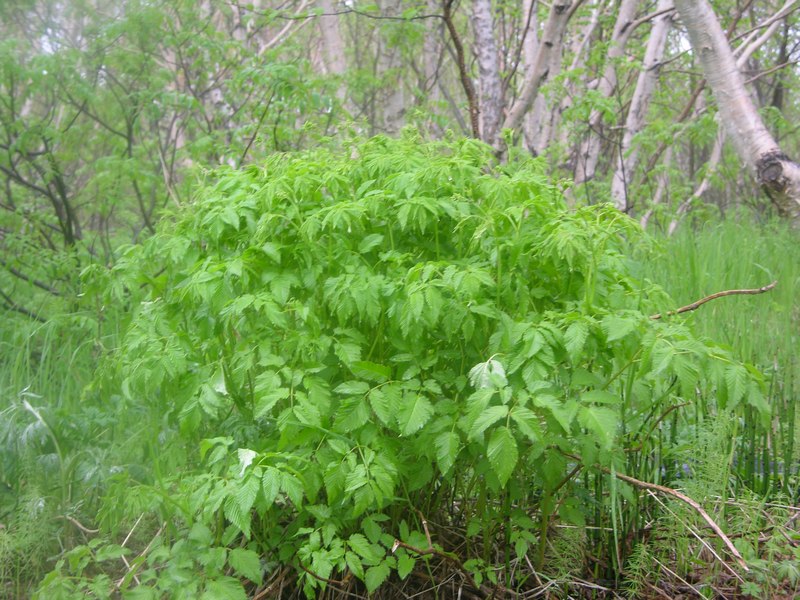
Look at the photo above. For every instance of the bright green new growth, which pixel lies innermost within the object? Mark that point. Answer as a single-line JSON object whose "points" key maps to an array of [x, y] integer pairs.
{"points": [[356, 339]]}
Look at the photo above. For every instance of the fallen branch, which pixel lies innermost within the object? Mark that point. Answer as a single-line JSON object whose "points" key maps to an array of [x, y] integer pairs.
{"points": [[692, 503], [277, 581], [445, 555], [334, 582], [680, 496], [78, 524], [131, 572], [699, 303]]}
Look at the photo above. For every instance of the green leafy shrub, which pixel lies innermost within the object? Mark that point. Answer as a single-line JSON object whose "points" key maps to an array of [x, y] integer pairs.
{"points": [[341, 345]]}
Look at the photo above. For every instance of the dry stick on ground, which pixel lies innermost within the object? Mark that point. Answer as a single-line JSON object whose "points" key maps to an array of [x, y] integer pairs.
{"points": [[452, 558], [275, 582], [697, 535], [78, 524], [445, 555], [680, 496], [684, 498], [699, 303], [125, 542], [135, 566]]}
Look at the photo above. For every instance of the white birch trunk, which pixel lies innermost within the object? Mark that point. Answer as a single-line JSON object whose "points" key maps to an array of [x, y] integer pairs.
{"points": [[778, 175], [389, 59], [589, 153], [490, 92], [549, 45], [628, 156], [580, 45], [332, 43], [531, 123]]}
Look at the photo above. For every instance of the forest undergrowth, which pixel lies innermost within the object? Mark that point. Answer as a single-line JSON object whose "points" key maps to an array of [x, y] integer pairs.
{"points": [[407, 371]]}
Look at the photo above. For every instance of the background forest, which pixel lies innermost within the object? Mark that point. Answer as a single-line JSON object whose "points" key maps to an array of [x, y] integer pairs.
{"points": [[380, 299]]}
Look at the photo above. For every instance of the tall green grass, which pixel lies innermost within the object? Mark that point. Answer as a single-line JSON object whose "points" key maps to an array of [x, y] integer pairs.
{"points": [[761, 329], [44, 368]]}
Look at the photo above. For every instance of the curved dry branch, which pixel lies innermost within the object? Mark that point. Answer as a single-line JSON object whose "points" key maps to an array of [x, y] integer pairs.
{"points": [[698, 303], [680, 496]]}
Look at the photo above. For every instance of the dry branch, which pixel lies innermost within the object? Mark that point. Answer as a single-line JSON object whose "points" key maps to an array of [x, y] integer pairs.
{"points": [[697, 304], [683, 498]]}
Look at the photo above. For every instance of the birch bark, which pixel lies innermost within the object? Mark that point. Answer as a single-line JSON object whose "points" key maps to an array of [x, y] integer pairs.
{"points": [[550, 44], [490, 92], [776, 173], [390, 61], [628, 156], [589, 153]]}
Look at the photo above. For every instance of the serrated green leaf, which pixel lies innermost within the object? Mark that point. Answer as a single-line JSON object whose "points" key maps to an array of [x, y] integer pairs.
{"points": [[527, 422], [271, 484], [246, 563], [266, 400], [564, 412], [487, 418], [352, 414], [369, 242], [224, 588], [234, 513], [616, 327], [601, 422], [489, 374], [292, 487], [575, 338], [371, 371], [415, 411], [737, 381], [375, 576], [352, 388], [381, 402], [405, 564], [354, 564], [110, 552], [371, 553], [502, 453], [247, 489], [447, 446]]}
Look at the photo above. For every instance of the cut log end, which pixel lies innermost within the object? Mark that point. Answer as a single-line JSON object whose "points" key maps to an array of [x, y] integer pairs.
{"points": [[779, 176]]}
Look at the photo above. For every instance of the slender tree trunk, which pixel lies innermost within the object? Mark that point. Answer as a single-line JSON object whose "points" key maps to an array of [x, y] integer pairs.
{"points": [[589, 153], [490, 92], [532, 123], [628, 156], [579, 51], [332, 43], [710, 168], [776, 173], [550, 44], [389, 61]]}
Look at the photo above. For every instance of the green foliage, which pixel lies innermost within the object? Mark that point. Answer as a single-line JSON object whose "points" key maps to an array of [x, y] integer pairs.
{"points": [[340, 335]]}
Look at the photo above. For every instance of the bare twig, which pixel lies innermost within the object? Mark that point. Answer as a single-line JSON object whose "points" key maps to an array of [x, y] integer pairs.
{"points": [[445, 555], [466, 81], [425, 528], [121, 580], [699, 303], [275, 582], [9, 304], [124, 543], [680, 496], [78, 524], [697, 535]]}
